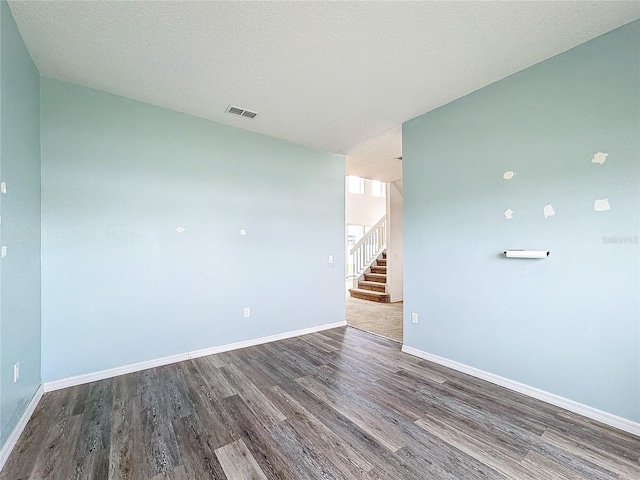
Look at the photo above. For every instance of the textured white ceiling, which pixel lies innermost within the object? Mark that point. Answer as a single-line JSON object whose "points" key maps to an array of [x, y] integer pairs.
{"points": [[377, 158], [329, 75]]}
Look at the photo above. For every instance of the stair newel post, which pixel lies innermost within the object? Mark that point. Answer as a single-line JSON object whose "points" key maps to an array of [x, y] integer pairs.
{"points": [[357, 263]]}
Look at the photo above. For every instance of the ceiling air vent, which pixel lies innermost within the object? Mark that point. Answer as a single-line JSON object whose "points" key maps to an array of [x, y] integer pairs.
{"points": [[241, 112]]}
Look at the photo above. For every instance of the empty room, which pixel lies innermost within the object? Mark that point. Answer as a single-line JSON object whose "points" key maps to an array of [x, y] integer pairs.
{"points": [[174, 239]]}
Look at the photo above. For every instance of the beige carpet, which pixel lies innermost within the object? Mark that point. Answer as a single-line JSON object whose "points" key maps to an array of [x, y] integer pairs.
{"points": [[380, 318]]}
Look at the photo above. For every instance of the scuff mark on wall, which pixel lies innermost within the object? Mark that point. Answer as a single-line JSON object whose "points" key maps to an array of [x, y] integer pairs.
{"points": [[508, 175], [508, 214], [601, 205], [549, 211], [599, 158]]}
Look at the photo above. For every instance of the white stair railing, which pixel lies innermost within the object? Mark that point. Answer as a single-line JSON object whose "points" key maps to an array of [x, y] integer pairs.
{"points": [[368, 248]]}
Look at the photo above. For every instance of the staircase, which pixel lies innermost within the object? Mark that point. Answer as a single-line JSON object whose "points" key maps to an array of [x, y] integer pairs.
{"points": [[372, 285]]}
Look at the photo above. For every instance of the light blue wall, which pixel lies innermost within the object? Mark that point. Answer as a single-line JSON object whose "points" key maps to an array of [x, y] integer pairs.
{"points": [[569, 324], [20, 213], [120, 285]]}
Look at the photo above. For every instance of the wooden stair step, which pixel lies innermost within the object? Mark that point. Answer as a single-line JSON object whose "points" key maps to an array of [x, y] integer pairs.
{"points": [[369, 295], [382, 262], [378, 269], [375, 286], [375, 277]]}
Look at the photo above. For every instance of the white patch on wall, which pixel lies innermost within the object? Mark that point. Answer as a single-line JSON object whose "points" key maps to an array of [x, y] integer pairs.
{"points": [[508, 214], [3, 251], [508, 175], [181, 229], [549, 211], [601, 205], [599, 158], [243, 232], [3, 187]]}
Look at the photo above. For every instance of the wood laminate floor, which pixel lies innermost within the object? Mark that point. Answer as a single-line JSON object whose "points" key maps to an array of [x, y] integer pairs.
{"points": [[340, 404]]}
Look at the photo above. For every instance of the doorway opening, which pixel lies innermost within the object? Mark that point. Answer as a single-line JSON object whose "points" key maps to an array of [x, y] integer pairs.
{"points": [[373, 270]]}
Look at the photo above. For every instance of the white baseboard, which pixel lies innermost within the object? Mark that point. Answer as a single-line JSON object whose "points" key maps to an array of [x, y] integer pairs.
{"points": [[158, 362], [112, 372], [17, 431], [558, 401], [268, 339]]}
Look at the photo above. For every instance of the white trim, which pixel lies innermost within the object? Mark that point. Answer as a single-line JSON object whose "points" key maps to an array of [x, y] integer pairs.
{"points": [[112, 372], [576, 407], [158, 362], [268, 339], [17, 431]]}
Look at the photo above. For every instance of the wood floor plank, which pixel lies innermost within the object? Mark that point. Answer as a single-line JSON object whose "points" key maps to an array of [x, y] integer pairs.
{"points": [[263, 372], [264, 410], [418, 462], [619, 464], [337, 404], [389, 398], [490, 406], [161, 455], [388, 410], [176, 473], [56, 458], [196, 447], [385, 434], [480, 447], [339, 452], [53, 407], [598, 436], [307, 461], [296, 362], [92, 466], [124, 450], [543, 468], [95, 431], [383, 460], [505, 429], [211, 378], [175, 398], [209, 420], [272, 460], [237, 462], [505, 402]]}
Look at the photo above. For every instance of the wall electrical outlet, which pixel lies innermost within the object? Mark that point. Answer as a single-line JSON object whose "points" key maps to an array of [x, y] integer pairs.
{"points": [[16, 372], [330, 259], [414, 317], [247, 312]]}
